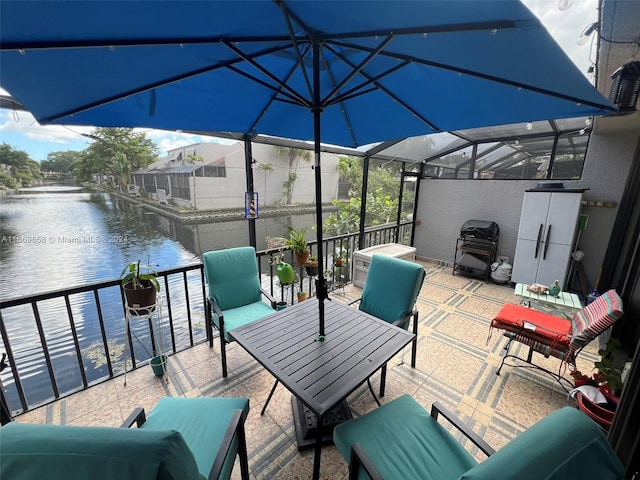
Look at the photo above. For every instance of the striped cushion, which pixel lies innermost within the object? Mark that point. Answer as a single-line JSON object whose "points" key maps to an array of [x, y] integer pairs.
{"points": [[594, 319]]}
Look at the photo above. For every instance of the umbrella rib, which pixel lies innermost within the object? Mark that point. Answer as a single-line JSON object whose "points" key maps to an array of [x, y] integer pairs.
{"points": [[151, 86], [450, 28], [342, 109], [357, 69], [294, 99], [350, 93], [472, 73], [275, 97], [287, 18], [389, 93], [250, 60]]}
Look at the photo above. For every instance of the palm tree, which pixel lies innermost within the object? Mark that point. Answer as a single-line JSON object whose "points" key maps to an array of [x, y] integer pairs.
{"points": [[294, 154], [120, 168]]}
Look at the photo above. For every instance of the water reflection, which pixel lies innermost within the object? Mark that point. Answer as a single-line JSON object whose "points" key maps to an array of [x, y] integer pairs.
{"points": [[56, 238]]}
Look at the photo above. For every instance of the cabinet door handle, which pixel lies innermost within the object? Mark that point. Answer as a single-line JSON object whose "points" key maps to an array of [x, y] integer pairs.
{"points": [[538, 241], [546, 243]]}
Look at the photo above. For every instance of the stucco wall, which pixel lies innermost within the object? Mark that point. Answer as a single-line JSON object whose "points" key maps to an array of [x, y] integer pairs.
{"points": [[609, 156], [228, 192], [444, 205]]}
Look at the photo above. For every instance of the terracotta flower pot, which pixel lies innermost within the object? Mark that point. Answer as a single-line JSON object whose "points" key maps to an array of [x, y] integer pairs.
{"points": [[302, 257]]}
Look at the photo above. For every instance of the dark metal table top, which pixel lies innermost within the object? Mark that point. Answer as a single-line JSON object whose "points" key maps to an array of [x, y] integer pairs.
{"points": [[321, 373]]}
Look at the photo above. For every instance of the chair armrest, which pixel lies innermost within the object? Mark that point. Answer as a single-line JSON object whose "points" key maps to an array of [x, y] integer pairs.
{"points": [[272, 300], [137, 416], [235, 428], [405, 318], [436, 409], [359, 459], [215, 307], [354, 301]]}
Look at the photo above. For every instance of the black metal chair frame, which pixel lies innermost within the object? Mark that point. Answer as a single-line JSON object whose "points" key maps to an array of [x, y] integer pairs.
{"points": [[405, 319], [558, 377], [359, 458], [235, 429], [210, 304]]}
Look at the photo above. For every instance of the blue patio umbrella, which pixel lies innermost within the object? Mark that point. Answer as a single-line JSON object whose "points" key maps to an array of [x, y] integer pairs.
{"points": [[347, 73]]}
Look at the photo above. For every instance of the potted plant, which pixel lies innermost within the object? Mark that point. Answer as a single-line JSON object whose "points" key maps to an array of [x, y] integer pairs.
{"points": [[298, 243], [159, 365], [312, 266], [140, 286], [302, 296]]}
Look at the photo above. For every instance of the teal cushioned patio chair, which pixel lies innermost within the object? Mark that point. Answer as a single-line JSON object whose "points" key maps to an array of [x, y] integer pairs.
{"points": [[234, 296], [181, 439], [401, 441], [390, 293]]}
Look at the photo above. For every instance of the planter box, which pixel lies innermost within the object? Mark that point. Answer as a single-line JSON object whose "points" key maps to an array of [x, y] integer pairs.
{"points": [[362, 258]]}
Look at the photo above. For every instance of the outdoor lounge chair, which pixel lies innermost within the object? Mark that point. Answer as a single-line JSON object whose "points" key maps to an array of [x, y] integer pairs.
{"points": [[234, 296], [181, 439], [390, 292], [400, 440], [556, 336]]}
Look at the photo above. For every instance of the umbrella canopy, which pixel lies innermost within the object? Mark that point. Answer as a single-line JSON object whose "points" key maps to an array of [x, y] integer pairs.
{"points": [[348, 73]]}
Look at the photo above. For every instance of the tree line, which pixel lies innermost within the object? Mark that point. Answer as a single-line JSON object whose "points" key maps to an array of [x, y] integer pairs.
{"points": [[113, 151]]}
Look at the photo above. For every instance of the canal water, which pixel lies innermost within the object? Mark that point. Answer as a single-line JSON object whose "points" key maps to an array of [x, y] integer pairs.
{"points": [[59, 237]]}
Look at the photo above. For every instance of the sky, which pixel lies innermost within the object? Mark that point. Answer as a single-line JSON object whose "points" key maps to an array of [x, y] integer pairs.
{"points": [[21, 131]]}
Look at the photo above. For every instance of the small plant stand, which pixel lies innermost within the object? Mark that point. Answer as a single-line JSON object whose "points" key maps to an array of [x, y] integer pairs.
{"points": [[152, 317]]}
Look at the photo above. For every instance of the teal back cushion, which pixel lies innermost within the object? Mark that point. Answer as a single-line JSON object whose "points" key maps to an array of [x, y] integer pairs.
{"points": [[202, 422], [55, 452], [404, 442], [565, 444], [232, 276], [391, 288]]}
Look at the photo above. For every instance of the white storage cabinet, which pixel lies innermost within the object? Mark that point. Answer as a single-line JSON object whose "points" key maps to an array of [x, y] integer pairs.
{"points": [[362, 258], [546, 235]]}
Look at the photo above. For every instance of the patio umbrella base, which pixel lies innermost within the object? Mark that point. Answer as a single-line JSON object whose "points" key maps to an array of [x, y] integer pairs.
{"points": [[306, 424]]}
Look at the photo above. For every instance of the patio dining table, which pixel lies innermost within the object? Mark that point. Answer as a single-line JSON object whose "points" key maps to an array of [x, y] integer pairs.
{"points": [[321, 373]]}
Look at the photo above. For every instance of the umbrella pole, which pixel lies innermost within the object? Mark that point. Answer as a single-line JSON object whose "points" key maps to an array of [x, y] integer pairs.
{"points": [[316, 109]]}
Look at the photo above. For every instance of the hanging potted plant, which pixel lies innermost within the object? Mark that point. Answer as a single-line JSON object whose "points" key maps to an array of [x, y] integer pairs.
{"points": [[312, 266], [298, 243], [140, 286]]}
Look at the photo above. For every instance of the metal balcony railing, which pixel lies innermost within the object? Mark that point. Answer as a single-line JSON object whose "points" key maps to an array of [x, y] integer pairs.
{"points": [[67, 340]]}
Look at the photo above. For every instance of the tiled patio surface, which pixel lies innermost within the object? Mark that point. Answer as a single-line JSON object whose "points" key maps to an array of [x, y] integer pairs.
{"points": [[456, 366]]}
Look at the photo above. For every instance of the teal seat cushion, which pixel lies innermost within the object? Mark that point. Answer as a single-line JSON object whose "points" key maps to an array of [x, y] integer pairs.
{"points": [[55, 452], [391, 288], [237, 317], [565, 444], [404, 441], [202, 423], [232, 276]]}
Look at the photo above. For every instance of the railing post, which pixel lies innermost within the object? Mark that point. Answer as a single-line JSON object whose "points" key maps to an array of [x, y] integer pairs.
{"points": [[363, 199]]}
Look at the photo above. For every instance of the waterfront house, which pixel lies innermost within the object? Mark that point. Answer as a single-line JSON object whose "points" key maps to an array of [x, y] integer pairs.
{"points": [[212, 176]]}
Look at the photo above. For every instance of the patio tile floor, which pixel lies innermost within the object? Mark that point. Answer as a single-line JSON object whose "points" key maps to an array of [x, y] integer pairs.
{"points": [[456, 366]]}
